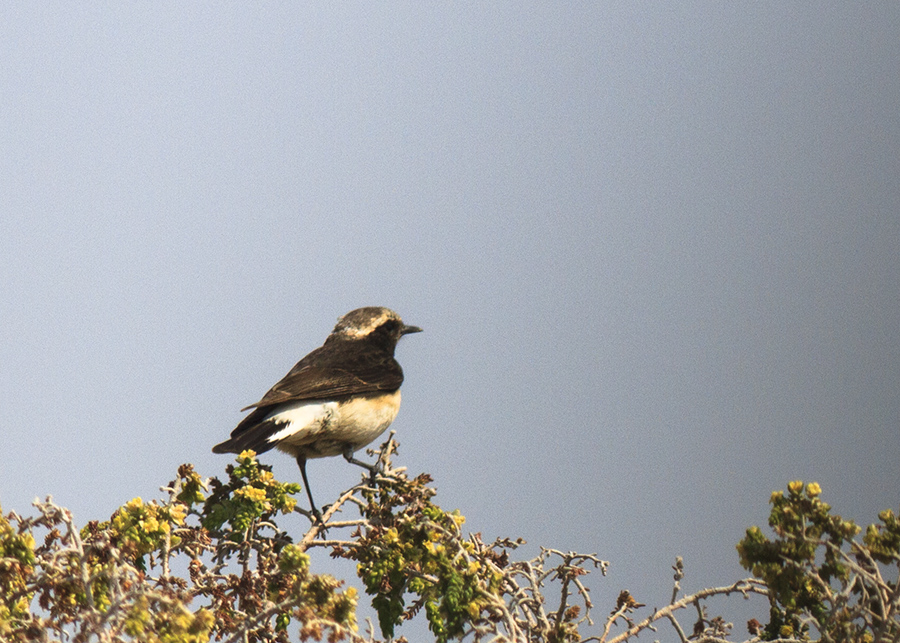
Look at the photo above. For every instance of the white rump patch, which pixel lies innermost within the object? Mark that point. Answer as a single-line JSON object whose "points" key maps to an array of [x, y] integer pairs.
{"points": [[301, 419]]}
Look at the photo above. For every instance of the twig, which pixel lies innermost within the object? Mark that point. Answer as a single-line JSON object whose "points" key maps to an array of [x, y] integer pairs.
{"points": [[745, 586]]}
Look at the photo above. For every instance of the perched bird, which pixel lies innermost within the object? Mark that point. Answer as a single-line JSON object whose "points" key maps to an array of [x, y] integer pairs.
{"points": [[336, 400]]}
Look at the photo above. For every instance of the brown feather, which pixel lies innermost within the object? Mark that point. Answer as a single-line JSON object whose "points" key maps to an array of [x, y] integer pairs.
{"points": [[317, 376]]}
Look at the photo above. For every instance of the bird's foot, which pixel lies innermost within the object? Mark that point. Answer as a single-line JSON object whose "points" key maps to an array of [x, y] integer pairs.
{"points": [[318, 521], [373, 469]]}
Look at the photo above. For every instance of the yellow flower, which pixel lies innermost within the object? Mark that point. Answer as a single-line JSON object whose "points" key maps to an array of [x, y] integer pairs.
{"points": [[177, 513], [795, 486], [435, 548], [813, 489], [252, 493]]}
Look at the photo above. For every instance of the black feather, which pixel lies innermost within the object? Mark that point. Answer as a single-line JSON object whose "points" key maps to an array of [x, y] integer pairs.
{"points": [[251, 433]]}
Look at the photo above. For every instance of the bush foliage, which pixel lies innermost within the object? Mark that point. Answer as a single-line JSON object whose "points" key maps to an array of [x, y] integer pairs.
{"points": [[246, 579]]}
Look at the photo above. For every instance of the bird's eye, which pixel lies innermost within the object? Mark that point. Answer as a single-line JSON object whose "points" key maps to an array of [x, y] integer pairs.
{"points": [[391, 325]]}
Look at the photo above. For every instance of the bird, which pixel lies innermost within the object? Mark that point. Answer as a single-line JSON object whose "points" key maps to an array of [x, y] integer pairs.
{"points": [[336, 400]]}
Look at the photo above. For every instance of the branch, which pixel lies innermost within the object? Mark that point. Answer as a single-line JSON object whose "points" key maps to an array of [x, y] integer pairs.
{"points": [[745, 586]]}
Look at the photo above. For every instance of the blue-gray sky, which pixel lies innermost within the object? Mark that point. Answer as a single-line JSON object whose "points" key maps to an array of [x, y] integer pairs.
{"points": [[655, 250]]}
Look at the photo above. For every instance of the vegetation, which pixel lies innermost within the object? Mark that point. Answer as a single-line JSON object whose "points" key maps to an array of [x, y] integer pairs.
{"points": [[246, 579]]}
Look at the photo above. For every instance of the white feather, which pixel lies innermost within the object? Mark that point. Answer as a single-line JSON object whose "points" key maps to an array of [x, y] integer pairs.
{"points": [[301, 419]]}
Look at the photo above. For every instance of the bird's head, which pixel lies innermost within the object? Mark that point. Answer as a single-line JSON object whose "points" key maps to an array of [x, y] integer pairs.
{"points": [[372, 322]]}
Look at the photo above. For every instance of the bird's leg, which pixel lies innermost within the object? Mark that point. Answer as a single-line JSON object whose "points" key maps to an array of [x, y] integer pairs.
{"points": [[301, 462], [373, 469]]}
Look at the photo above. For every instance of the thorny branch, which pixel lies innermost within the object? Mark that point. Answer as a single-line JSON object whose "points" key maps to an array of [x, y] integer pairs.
{"points": [[248, 579]]}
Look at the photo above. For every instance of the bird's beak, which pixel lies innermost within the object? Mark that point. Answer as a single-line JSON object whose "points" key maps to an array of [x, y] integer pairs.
{"points": [[406, 330]]}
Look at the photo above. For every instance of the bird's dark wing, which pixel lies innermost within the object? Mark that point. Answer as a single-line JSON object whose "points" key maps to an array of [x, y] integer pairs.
{"points": [[331, 371], [318, 383]]}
